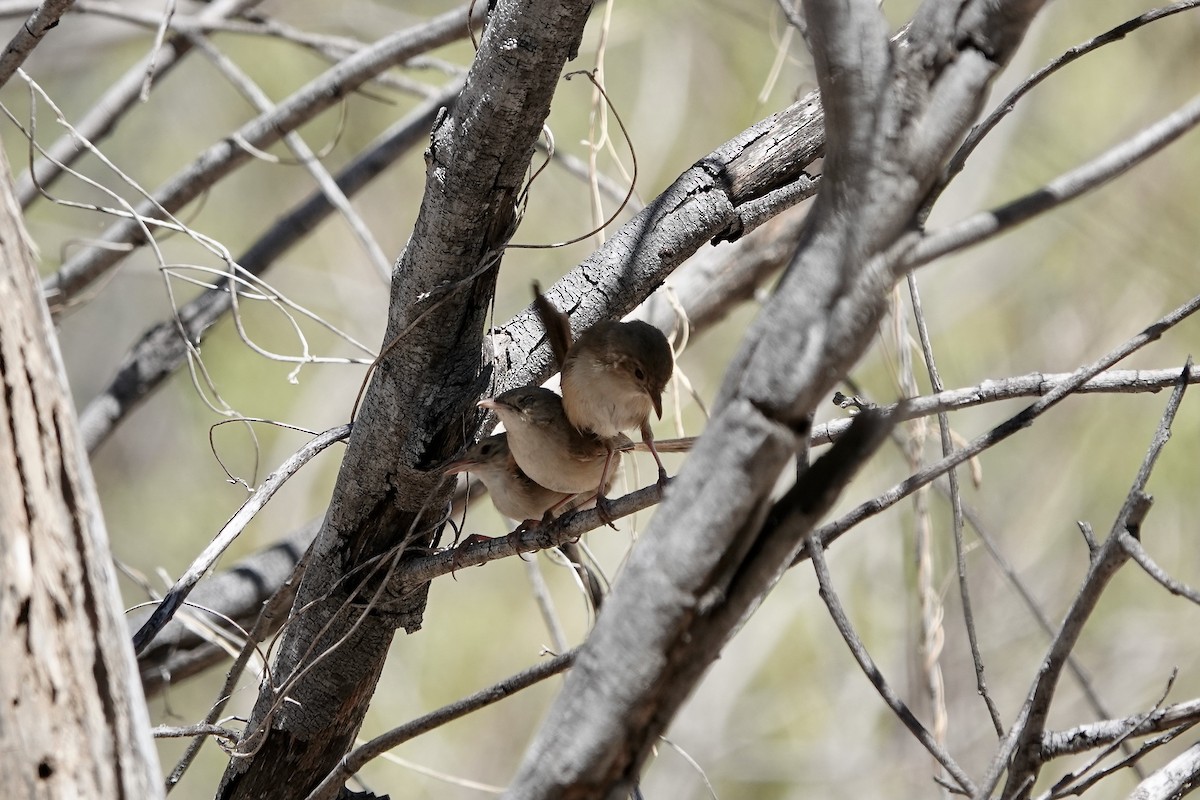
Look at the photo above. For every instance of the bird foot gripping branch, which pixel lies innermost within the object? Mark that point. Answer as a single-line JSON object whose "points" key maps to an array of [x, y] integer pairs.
{"points": [[559, 453]]}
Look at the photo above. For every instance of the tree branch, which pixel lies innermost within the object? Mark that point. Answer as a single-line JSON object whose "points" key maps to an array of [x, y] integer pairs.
{"points": [[43, 18], [417, 410], [222, 158], [673, 607]]}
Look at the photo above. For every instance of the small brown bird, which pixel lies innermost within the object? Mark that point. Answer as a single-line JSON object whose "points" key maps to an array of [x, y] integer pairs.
{"points": [[546, 446], [518, 497], [613, 376], [513, 493]]}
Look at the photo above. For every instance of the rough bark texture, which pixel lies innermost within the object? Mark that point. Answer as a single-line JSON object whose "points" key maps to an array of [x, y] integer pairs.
{"points": [[418, 409], [73, 721], [893, 112]]}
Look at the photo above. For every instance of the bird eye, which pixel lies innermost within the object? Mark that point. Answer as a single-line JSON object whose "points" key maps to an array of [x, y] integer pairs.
{"points": [[639, 374]]}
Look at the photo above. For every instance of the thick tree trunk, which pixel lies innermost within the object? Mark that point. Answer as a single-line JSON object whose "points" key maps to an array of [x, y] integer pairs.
{"points": [[73, 719]]}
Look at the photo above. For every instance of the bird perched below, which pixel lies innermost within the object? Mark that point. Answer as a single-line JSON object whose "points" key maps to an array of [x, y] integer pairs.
{"points": [[513, 493], [518, 497], [613, 376], [547, 447]]}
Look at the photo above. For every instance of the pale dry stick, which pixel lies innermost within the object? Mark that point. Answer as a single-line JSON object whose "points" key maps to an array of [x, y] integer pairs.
{"points": [[931, 637], [693, 764], [112, 106], [831, 531], [1006, 106], [230, 531], [1179, 777], [224, 157], [1110, 164], [781, 57], [869, 668], [935, 382], [277, 605], [215, 247], [356, 759], [180, 731], [166, 345], [585, 573], [1017, 754], [44, 17], [304, 155], [598, 119], [160, 34], [791, 12], [438, 775], [1139, 554], [545, 605]]}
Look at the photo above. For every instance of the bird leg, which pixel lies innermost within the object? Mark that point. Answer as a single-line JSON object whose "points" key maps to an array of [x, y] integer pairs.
{"points": [[648, 438], [602, 504]]}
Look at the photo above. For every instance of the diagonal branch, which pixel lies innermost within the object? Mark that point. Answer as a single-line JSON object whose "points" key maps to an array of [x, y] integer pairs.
{"points": [[416, 411], [114, 103], [893, 112], [39, 23], [166, 346], [225, 156]]}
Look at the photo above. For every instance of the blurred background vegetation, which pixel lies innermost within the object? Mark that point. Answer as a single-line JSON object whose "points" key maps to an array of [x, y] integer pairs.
{"points": [[784, 713]]}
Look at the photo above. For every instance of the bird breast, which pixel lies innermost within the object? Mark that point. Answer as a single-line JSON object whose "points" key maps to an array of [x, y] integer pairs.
{"points": [[603, 400]]}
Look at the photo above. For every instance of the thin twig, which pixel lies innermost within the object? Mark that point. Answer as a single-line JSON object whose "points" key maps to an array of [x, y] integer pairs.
{"points": [[1036, 384], [1025, 418], [935, 381], [1139, 554], [361, 755], [237, 523], [859, 651], [280, 601], [1111, 164], [1006, 106], [202, 729]]}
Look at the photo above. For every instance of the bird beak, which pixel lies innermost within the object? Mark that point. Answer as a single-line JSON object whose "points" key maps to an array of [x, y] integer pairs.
{"points": [[490, 404], [461, 465], [656, 399]]}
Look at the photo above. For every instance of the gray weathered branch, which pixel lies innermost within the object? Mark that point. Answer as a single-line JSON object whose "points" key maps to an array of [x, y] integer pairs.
{"points": [[893, 113]]}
